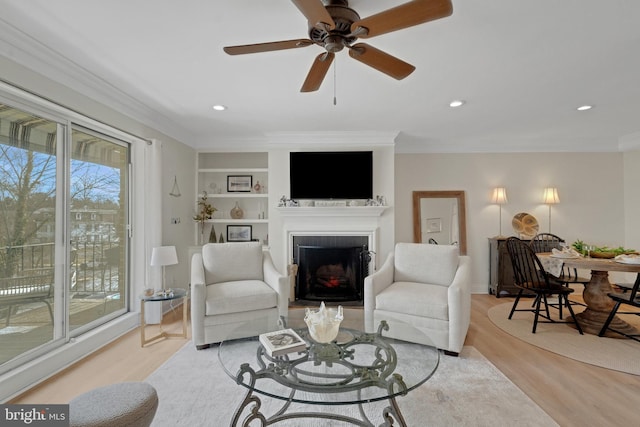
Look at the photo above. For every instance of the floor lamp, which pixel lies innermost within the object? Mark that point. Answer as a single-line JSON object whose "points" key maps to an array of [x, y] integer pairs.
{"points": [[163, 256], [499, 198], [550, 197]]}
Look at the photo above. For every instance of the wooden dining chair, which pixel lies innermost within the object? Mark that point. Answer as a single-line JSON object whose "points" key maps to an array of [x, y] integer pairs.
{"points": [[531, 277], [626, 298], [546, 242]]}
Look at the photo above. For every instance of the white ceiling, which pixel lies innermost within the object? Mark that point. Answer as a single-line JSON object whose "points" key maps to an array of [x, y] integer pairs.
{"points": [[523, 66]]}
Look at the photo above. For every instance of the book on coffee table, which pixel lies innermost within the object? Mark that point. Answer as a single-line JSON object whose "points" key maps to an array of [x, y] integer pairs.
{"points": [[282, 342]]}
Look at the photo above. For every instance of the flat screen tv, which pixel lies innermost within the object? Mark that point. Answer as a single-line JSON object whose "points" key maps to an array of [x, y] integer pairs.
{"points": [[331, 175]]}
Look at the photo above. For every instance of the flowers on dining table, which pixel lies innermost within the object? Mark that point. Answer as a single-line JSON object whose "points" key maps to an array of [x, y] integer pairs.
{"points": [[581, 247]]}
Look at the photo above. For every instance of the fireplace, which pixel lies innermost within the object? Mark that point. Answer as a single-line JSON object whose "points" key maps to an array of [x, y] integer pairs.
{"points": [[331, 268]]}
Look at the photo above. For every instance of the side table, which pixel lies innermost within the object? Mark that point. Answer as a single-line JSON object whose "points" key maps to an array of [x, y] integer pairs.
{"points": [[174, 294]]}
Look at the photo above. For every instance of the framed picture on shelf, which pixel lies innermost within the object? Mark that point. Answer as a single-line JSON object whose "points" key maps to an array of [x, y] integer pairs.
{"points": [[239, 183], [238, 233]]}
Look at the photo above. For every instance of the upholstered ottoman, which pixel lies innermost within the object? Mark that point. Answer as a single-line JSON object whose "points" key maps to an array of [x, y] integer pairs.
{"points": [[130, 404]]}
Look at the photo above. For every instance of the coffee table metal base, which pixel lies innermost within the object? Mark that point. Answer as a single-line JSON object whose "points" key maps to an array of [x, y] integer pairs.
{"points": [[356, 379], [389, 414], [253, 405]]}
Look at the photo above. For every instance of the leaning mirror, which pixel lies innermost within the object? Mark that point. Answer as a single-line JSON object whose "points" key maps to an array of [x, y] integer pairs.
{"points": [[439, 218]]}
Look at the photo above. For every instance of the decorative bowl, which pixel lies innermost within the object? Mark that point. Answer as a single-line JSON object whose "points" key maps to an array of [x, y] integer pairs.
{"points": [[323, 324], [525, 225], [602, 254]]}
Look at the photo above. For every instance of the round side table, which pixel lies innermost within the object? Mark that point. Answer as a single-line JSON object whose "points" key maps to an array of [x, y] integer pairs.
{"points": [[168, 295]]}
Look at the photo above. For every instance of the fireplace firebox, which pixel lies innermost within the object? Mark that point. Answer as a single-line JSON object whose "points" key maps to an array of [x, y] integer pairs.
{"points": [[332, 272]]}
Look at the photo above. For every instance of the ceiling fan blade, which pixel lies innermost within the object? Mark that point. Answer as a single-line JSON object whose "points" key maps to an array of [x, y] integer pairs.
{"points": [[317, 72], [315, 13], [406, 15], [381, 61], [267, 47]]}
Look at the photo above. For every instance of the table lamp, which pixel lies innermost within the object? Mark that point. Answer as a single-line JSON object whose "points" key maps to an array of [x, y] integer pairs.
{"points": [[163, 256], [550, 197], [500, 198]]}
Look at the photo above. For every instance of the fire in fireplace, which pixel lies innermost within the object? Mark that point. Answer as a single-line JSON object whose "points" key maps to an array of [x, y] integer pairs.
{"points": [[329, 273]]}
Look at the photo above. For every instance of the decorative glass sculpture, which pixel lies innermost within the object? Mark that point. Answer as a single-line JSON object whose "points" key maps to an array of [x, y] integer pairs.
{"points": [[323, 324]]}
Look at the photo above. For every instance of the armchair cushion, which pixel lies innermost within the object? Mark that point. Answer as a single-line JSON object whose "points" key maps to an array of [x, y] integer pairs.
{"points": [[239, 296], [420, 263], [237, 261], [415, 299]]}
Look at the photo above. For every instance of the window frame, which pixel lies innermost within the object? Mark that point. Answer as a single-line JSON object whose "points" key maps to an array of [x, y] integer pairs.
{"points": [[20, 373]]}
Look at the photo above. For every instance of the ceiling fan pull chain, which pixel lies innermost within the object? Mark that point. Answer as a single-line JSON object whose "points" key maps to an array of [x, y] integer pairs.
{"points": [[335, 100]]}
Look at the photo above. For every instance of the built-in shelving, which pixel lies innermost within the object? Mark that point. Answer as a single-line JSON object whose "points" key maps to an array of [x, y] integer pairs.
{"points": [[237, 221], [235, 195], [213, 170]]}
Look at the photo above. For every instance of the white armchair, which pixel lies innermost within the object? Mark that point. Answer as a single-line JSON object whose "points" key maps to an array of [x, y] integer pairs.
{"points": [[426, 286], [233, 283]]}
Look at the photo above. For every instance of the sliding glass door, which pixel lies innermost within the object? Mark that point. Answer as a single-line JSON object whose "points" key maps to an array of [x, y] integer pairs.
{"points": [[98, 228], [28, 181], [63, 232]]}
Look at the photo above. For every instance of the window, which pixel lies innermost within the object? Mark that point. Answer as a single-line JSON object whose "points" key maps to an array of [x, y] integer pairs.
{"points": [[28, 169], [98, 182], [53, 171]]}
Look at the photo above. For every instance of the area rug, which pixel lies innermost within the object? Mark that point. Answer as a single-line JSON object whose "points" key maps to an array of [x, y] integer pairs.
{"points": [[611, 353], [464, 391]]}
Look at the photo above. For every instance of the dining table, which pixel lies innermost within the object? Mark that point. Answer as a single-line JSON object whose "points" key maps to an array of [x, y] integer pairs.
{"points": [[595, 293]]}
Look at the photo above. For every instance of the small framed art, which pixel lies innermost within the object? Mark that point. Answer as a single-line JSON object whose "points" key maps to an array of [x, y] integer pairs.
{"points": [[238, 233], [239, 183], [434, 225]]}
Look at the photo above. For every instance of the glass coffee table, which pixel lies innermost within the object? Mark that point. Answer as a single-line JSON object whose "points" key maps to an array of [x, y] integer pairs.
{"points": [[357, 368]]}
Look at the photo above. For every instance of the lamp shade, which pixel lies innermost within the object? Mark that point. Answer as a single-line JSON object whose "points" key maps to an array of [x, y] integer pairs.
{"points": [[499, 196], [164, 255], [550, 196]]}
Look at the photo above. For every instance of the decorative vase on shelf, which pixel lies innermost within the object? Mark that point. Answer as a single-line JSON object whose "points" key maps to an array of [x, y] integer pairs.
{"points": [[237, 212], [212, 235], [257, 187]]}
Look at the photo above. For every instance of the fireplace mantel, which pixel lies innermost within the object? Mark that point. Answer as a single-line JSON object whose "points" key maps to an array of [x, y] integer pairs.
{"points": [[332, 211]]}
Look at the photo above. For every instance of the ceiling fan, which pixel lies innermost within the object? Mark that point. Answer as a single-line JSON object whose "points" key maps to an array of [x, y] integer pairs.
{"points": [[333, 25]]}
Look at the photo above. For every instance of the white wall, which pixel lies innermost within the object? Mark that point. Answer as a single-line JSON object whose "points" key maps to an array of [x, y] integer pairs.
{"points": [[178, 160], [632, 199], [590, 185]]}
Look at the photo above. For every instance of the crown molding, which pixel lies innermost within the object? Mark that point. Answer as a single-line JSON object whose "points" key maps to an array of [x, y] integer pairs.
{"points": [[630, 142], [20, 48], [332, 138]]}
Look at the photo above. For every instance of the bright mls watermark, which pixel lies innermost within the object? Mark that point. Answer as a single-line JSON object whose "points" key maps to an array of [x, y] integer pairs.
{"points": [[34, 415]]}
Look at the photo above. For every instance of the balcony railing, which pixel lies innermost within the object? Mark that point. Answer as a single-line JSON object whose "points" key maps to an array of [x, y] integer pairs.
{"points": [[94, 265]]}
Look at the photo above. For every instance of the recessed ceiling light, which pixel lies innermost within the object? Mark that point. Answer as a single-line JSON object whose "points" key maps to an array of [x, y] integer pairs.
{"points": [[585, 107], [456, 103], [219, 107]]}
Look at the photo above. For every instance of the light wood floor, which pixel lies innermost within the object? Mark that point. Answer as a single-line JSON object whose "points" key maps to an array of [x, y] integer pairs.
{"points": [[573, 393]]}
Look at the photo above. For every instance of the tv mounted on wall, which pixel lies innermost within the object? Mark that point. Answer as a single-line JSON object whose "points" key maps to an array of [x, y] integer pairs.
{"points": [[331, 175]]}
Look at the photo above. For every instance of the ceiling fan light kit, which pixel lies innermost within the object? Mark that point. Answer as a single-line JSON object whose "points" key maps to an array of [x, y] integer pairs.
{"points": [[333, 25]]}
